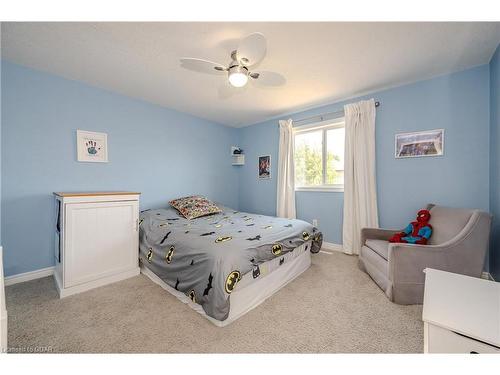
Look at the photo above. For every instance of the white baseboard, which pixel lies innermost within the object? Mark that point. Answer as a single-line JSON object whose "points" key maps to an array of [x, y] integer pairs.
{"points": [[49, 271], [27, 276], [487, 276], [332, 247]]}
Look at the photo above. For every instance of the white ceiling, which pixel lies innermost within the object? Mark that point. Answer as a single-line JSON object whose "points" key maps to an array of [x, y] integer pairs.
{"points": [[322, 62]]}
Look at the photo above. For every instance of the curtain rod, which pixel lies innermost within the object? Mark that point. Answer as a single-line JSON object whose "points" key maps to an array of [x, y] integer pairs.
{"points": [[326, 116]]}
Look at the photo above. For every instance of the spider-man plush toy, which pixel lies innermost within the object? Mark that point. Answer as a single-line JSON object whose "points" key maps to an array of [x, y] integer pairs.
{"points": [[417, 231]]}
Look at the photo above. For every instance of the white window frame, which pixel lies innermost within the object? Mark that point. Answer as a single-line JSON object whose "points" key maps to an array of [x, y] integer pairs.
{"points": [[324, 126]]}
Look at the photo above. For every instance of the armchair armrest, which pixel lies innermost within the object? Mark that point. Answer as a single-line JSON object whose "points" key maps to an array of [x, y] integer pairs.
{"points": [[377, 234], [408, 261]]}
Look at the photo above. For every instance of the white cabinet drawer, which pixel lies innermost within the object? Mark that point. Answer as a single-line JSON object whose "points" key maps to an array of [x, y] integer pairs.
{"points": [[441, 340]]}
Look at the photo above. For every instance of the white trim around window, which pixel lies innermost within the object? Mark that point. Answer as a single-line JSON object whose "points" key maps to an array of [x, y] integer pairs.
{"points": [[322, 188], [324, 126], [333, 123]]}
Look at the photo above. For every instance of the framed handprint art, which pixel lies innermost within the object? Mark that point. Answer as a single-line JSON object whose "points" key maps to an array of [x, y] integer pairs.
{"points": [[92, 146]]}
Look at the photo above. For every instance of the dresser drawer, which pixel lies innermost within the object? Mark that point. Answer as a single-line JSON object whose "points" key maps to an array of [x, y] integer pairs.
{"points": [[441, 340]]}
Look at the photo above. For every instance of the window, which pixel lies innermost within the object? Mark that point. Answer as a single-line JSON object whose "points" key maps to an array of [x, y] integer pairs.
{"points": [[319, 156]]}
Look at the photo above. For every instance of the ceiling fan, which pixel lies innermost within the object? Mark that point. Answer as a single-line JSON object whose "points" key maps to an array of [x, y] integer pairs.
{"points": [[250, 52]]}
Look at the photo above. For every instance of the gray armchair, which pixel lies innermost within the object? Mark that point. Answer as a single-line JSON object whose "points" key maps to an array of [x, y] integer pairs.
{"points": [[458, 244]]}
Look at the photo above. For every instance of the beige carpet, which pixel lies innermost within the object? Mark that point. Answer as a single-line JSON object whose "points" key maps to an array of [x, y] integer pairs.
{"points": [[332, 308]]}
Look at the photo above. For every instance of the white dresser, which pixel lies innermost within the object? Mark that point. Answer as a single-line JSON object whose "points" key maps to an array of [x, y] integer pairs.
{"points": [[461, 314], [97, 239]]}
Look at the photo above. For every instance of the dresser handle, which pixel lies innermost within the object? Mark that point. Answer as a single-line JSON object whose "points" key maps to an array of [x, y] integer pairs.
{"points": [[473, 352]]}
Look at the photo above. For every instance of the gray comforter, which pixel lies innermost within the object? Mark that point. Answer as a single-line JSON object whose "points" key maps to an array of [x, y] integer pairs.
{"points": [[206, 257]]}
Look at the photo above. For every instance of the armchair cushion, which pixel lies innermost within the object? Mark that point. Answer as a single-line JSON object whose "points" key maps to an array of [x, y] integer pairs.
{"points": [[380, 247], [447, 222]]}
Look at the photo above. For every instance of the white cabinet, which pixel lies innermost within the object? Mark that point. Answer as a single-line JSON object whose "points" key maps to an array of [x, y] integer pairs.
{"points": [[461, 314], [442, 340], [96, 239]]}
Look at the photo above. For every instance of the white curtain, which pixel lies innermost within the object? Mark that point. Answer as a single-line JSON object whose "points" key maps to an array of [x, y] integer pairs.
{"points": [[285, 202], [360, 189]]}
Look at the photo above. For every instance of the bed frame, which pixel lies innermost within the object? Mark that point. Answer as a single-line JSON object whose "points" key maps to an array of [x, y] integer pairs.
{"points": [[254, 293]]}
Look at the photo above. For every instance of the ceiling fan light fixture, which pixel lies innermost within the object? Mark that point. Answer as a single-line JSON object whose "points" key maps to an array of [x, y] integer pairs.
{"points": [[238, 76], [251, 50]]}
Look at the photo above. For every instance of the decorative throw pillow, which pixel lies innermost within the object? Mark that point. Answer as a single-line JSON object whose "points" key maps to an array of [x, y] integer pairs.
{"points": [[194, 206]]}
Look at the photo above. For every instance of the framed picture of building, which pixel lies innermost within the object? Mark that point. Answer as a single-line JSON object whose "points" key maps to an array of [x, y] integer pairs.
{"points": [[419, 144]]}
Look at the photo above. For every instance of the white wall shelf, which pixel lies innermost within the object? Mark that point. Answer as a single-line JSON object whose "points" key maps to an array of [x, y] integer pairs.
{"points": [[238, 159]]}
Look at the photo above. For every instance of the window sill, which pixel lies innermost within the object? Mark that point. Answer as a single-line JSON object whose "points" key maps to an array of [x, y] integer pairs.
{"points": [[321, 189]]}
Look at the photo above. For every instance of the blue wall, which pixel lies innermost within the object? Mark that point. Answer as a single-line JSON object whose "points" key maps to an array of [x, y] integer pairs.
{"points": [[495, 163], [159, 152], [458, 102], [164, 153]]}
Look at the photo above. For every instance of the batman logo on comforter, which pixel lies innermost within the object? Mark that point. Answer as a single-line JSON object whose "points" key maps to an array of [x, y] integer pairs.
{"points": [[207, 262]]}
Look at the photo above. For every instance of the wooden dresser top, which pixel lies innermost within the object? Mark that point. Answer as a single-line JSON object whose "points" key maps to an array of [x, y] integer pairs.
{"points": [[94, 193]]}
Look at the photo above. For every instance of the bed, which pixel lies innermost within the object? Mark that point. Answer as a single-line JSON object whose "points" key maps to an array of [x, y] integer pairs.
{"points": [[224, 264]]}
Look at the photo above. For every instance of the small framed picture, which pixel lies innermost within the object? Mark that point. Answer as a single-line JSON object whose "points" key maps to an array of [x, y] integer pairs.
{"points": [[92, 146], [265, 166], [419, 144]]}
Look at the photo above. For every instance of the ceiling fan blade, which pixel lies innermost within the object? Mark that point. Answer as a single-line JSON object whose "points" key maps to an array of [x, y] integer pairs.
{"points": [[265, 78], [252, 49], [203, 66]]}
